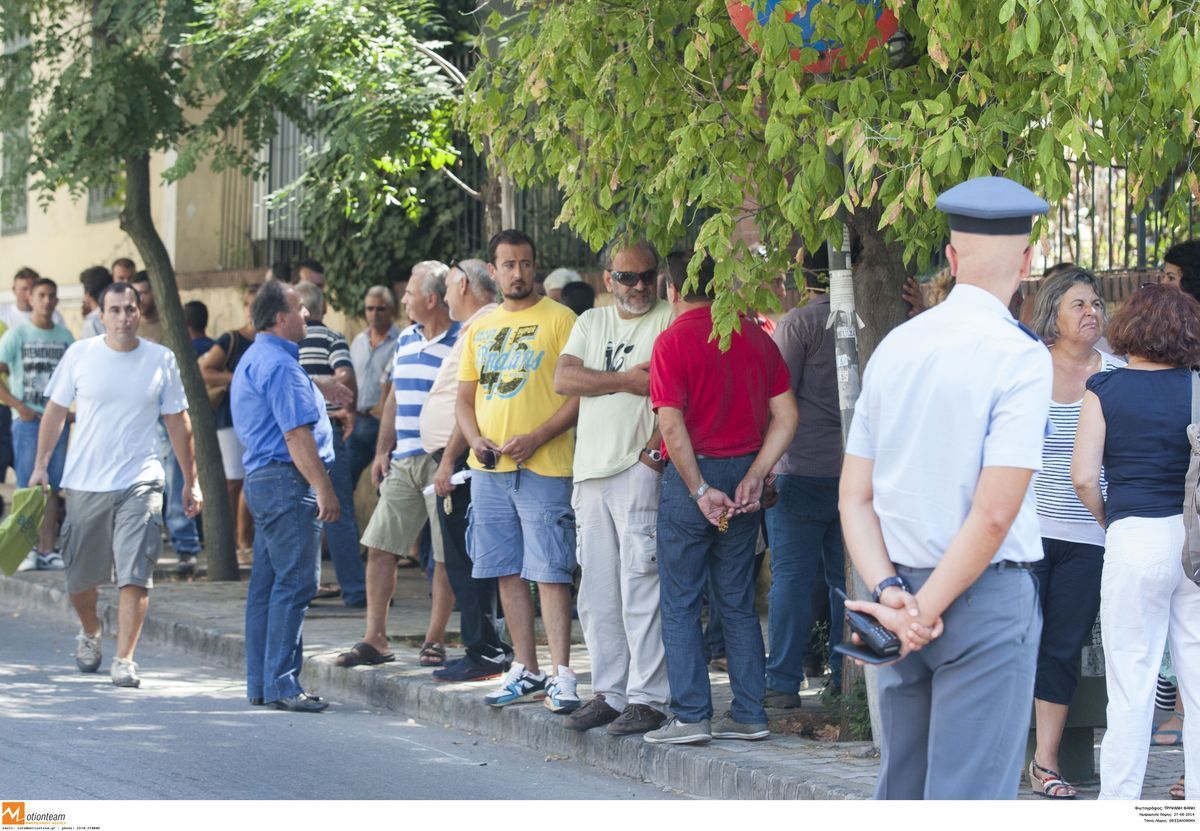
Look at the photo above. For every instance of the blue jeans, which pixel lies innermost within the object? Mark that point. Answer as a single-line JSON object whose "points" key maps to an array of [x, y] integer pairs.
{"points": [[361, 445], [342, 535], [287, 545], [25, 442], [184, 537], [806, 540], [691, 552]]}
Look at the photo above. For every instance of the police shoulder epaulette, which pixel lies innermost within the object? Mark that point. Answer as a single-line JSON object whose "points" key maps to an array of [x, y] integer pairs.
{"points": [[1027, 330]]}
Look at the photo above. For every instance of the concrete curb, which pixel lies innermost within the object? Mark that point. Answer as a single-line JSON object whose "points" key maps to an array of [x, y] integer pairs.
{"points": [[723, 770]]}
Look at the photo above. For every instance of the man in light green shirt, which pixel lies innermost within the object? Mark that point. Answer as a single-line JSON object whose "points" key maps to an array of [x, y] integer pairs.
{"points": [[617, 468]]}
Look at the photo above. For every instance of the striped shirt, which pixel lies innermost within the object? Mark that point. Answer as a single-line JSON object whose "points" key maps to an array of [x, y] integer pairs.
{"points": [[414, 369], [323, 351], [1060, 513]]}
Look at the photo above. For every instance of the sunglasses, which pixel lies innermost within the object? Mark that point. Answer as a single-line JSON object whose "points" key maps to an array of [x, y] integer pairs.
{"points": [[631, 278]]}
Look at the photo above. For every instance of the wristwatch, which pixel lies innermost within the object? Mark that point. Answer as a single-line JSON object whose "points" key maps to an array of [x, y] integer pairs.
{"points": [[654, 454], [700, 491], [887, 583]]}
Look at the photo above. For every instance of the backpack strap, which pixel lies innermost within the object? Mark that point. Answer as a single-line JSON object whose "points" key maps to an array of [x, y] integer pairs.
{"points": [[1195, 397]]}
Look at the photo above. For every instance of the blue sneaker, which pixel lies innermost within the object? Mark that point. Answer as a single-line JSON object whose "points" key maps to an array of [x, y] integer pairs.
{"points": [[560, 692], [518, 684]]}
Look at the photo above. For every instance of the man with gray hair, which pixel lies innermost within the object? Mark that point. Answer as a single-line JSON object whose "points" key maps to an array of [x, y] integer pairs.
{"points": [[325, 356], [403, 469], [470, 294], [606, 362], [371, 353]]}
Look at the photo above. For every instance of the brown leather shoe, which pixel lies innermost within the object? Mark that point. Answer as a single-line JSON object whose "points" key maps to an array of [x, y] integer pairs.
{"points": [[595, 713], [636, 718]]}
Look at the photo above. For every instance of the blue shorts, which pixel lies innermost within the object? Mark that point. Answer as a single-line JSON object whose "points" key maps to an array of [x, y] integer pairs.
{"points": [[521, 526], [25, 445]]}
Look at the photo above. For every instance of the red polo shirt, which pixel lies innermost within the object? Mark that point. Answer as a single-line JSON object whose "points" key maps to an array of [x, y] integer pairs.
{"points": [[723, 395]]}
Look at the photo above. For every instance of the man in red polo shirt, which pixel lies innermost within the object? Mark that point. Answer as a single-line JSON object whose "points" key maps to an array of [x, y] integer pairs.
{"points": [[726, 418]]}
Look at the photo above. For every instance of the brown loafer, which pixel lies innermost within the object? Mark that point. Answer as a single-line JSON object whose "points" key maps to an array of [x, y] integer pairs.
{"points": [[636, 718], [595, 713]]}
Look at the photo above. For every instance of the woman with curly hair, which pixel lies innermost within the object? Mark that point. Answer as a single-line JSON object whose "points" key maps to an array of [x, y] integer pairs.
{"points": [[1134, 422]]}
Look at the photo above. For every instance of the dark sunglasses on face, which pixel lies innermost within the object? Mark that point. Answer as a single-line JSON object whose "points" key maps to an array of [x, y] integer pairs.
{"points": [[631, 278]]}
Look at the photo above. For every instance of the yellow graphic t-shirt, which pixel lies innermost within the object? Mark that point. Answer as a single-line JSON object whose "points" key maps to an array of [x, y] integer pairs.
{"points": [[512, 356]]}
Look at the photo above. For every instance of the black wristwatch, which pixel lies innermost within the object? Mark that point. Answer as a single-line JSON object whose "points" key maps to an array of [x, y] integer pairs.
{"points": [[655, 455], [887, 583]]}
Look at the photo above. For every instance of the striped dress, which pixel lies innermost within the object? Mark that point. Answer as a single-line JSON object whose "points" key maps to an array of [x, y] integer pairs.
{"points": [[1060, 513], [414, 368]]}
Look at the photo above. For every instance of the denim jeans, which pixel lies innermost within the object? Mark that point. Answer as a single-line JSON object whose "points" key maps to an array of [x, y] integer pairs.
{"points": [[6, 442], [806, 540], [478, 600], [25, 442], [184, 536], [287, 544], [690, 552], [361, 445], [342, 535]]}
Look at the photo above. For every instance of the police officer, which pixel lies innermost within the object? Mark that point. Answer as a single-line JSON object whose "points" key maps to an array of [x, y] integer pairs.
{"points": [[938, 514]]}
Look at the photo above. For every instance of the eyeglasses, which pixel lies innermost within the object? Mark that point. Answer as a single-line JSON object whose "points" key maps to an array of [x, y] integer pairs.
{"points": [[631, 278], [378, 308]]}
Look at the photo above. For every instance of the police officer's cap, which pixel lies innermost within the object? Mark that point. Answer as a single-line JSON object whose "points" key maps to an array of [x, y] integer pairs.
{"points": [[991, 205]]}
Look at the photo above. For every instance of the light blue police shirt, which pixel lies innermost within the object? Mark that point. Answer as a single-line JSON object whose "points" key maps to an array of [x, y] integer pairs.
{"points": [[271, 395], [956, 389]]}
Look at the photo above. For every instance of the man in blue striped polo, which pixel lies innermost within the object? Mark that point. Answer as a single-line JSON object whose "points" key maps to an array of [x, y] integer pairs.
{"points": [[402, 469]]}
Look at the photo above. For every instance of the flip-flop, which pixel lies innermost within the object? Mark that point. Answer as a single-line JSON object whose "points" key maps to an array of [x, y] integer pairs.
{"points": [[363, 654], [1177, 741]]}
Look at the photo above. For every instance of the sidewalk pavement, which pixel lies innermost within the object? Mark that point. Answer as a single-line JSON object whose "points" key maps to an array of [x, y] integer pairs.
{"points": [[206, 619]]}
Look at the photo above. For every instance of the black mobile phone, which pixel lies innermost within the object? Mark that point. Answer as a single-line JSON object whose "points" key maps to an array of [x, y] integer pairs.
{"points": [[876, 637], [488, 459], [863, 654]]}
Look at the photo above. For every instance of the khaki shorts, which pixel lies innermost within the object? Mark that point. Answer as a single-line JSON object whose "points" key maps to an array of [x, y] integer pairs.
{"points": [[404, 509], [112, 532]]}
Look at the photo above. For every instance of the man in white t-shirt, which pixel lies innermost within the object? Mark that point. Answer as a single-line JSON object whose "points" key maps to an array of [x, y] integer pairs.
{"points": [[606, 362], [15, 313], [113, 478]]}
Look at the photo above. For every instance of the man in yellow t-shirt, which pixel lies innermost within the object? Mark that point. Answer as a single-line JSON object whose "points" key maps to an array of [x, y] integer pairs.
{"points": [[522, 444]]}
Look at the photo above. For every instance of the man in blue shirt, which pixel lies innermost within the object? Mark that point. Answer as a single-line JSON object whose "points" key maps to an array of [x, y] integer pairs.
{"points": [[279, 417]]}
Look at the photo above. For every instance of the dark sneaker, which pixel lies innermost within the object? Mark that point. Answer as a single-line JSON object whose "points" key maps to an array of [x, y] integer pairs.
{"points": [[186, 566], [775, 700], [636, 718], [596, 713], [676, 732], [727, 728], [464, 670]]}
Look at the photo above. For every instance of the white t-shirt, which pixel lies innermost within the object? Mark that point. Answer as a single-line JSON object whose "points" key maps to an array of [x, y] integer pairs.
{"points": [[617, 426], [13, 317], [120, 396]]}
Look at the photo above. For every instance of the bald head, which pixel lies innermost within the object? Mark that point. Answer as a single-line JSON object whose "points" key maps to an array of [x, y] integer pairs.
{"points": [[996, 264]]}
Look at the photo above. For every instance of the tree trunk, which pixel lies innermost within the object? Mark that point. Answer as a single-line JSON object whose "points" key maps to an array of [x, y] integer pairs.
{"points": [[879, 274], [218, 517]]}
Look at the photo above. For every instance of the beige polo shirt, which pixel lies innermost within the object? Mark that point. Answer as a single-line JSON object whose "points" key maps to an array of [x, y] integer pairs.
{"points": [[437, 413]]}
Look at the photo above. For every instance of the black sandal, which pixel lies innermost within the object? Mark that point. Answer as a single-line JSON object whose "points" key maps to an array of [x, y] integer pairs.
{"points": [[433, 654]]}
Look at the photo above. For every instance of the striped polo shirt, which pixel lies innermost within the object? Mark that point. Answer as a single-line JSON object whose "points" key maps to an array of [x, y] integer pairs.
{"points": [[413, 371]]}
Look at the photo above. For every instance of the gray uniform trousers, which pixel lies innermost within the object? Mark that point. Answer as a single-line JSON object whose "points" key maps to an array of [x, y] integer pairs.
{"points": [[956, 714]]}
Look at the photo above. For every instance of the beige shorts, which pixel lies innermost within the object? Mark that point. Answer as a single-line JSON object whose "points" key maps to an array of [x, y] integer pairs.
{"points": [[404, 509], [112, 533]]}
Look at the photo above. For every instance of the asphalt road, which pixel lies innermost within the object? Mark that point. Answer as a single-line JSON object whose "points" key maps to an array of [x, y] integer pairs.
{"points": [[189, 734]]}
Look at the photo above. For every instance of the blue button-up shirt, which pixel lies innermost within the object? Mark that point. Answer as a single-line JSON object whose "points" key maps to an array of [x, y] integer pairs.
{"points": [[271, 395], [956, 389]]}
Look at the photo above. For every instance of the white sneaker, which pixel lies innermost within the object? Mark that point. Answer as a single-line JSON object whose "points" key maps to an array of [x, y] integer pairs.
{"points": [[561, 696], [518, 684], [50, 561], [87, 651], [30, 561], [124, 673]]}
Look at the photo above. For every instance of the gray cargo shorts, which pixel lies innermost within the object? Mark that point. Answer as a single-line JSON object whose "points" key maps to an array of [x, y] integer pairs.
{"points": [[112, 532]]}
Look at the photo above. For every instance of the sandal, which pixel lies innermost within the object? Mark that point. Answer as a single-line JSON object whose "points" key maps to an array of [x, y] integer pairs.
{"points": [[1049, 783], [1178, 790], [363, 654], [433, 654], [1176, 736]]}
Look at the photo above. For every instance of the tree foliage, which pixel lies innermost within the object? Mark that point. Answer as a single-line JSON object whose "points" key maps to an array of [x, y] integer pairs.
{"points": [[642, 109]]}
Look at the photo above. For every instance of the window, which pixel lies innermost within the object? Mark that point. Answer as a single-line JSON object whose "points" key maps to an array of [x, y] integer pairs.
{"points": [[102, 203], [14, 199]]}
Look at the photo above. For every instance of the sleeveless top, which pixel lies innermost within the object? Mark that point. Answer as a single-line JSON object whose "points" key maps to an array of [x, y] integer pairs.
{"points": [[1146, 450], [1060, 513]]}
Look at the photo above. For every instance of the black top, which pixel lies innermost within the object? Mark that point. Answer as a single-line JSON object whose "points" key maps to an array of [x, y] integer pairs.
{"points": [[240, 344], [1146, 450]]}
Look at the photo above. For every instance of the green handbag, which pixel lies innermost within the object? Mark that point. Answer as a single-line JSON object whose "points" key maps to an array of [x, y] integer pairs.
{"points": [[19, 530]]}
